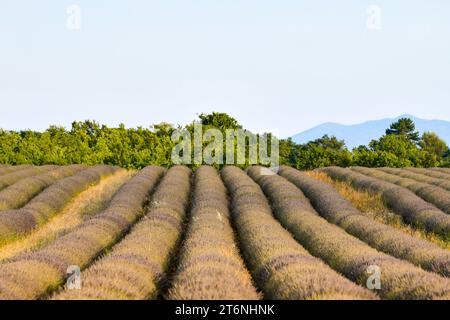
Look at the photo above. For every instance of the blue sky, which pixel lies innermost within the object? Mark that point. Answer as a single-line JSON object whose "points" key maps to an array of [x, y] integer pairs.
{"points": [[281, 65]]}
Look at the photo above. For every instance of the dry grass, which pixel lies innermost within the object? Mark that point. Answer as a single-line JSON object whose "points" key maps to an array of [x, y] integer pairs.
{"points": [[89, 202], [372, 205], [362, 200]]}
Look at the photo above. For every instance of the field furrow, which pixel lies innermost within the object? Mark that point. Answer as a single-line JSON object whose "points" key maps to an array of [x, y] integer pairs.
{"points": [[88, 203], [136, 265], [210, 266], [438, 196], [34, 275], [420, 177], [443, 170], [12, 177], [349, 255], [329, 234], [19, 193], [430, 173], [8, 169], [19, 222], [404, 202], [371, 205], [281, 267], [337, 210]]}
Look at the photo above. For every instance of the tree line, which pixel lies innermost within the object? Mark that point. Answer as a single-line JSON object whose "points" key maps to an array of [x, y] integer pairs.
{"points": [[90, 143]]}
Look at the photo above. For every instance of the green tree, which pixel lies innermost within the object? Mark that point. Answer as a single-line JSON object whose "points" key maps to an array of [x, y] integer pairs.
{"points": [[163, 129], [431, 143], [397, 148], [404, 127], [221, 121], [90, 143], [287, 151], [322, 152]]}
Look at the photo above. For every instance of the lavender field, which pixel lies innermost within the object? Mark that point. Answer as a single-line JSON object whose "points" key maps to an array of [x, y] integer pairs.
{"points": [[103, 232]]}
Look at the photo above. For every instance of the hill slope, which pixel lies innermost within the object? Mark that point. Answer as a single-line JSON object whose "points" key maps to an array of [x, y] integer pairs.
{"points": [[363, 133]]}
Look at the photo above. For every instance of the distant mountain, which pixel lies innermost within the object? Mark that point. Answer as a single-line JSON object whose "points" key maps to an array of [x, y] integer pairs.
{"points": [[361, 134]]}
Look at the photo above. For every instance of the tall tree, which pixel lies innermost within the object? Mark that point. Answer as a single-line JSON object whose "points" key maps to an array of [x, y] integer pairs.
{"points": [[404, 127]]}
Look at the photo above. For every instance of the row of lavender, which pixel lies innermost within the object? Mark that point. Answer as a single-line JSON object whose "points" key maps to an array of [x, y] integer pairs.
{"points": [[187, 237]]}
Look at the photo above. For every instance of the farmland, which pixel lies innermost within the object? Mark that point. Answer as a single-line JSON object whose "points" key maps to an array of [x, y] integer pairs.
{"points": [[103, 232]]}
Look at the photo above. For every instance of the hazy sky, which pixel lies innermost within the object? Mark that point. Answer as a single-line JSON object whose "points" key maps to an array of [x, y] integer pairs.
{"points": [[279, 65]]}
